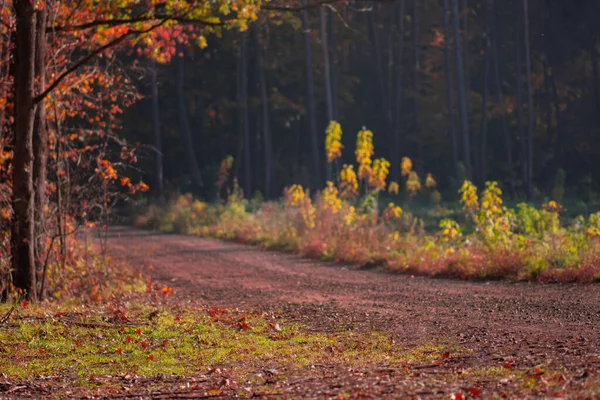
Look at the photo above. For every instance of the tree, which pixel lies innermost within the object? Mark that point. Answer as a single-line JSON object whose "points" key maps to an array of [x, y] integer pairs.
{"points": [[23, 203], [462, 101], [310, 100], [158, 149], [449, 90], [266, 118], [327, 75], [529, 102], [184, 124], [101, 28]]}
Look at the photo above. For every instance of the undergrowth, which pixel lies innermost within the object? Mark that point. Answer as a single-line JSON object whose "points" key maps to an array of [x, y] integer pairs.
{"points": [[345, 222]]}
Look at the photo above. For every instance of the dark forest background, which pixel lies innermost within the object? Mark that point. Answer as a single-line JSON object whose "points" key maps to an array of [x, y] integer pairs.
{"points": [[476, 89]]}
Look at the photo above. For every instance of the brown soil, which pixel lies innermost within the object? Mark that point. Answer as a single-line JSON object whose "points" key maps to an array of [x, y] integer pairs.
{"points": [[523, 324]]}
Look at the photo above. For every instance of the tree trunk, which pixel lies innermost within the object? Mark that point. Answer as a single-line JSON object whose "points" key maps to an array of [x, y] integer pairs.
{"points": [[529, 103], [184, 125], [40, 143], [462, 101], [266, 118], [310, 101], [551, 44], [500, 97], [23, 200], [158, 155], [327, 80], [395, 156], [520, 124], [484, 96], [417, 82], [245, 114], [449, 88], [383, 101], [334, 67], [596, 76]]}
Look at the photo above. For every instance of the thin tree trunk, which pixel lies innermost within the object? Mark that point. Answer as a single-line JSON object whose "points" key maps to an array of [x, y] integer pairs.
{"points": [[375, 42], [266, 118], [395, 156], [417, 82], [23, 200], [520, 124], [334, 67], [462, 101], [500, 97], [327, 80], [449, 88], [40, 143], [310, 101], [245, 114], [550, 44], [158, 155], [184, 125], [484, 98], [596, 76], [466, 52], [529, 102]]}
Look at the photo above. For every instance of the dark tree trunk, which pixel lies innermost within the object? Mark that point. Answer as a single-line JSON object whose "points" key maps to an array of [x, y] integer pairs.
{"points": [[158, 155], [327, 80], [530, 125], [449, 89], [417, 82], [245, 115], [500, 97], [484, 97], [462, 101], [23, 200], [266, 118], [184, 125], [596, 76], [520, 124], [395, 151], [334, 67], [40, 143], [550, 44], [375, 42], [310, 101]]}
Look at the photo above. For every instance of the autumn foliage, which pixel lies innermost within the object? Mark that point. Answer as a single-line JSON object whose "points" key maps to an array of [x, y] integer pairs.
{"points": [[347, 222], [62, 90]]}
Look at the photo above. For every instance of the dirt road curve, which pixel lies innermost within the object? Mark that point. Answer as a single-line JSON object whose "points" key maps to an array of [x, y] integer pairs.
{"points": [[531, 324]]}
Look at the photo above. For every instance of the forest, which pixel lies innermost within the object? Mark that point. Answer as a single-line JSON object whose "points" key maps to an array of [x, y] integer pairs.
{"points": [[482, 90]]}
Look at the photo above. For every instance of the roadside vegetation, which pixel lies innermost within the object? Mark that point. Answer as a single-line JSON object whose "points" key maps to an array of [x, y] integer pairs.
{"points": [[356, 219]]}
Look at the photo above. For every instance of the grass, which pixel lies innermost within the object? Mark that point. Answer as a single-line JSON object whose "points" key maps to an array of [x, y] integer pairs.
{"points": [[97, 346]]}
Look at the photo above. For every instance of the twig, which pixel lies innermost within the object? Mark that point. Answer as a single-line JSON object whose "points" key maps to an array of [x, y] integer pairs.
{"points": [[7, 315]]}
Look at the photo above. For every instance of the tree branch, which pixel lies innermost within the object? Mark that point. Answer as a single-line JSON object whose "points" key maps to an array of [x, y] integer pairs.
{"points": [[93, 54], [128, 21], [316, 4]]}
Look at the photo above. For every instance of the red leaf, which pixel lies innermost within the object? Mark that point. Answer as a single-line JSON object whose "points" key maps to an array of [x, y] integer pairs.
{"points": [[150, 357], [507, 365], [25, 303], [458, 396], [138, 331], [475, 392], [446, 355], [119, 350], [144, 344]]}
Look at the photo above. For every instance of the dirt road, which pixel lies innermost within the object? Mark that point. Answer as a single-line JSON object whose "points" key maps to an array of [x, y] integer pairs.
{"points": [[527, 324]]}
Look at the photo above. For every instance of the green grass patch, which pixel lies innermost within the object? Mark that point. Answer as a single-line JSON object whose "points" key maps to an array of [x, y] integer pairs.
{"points": [[79, 343]]}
